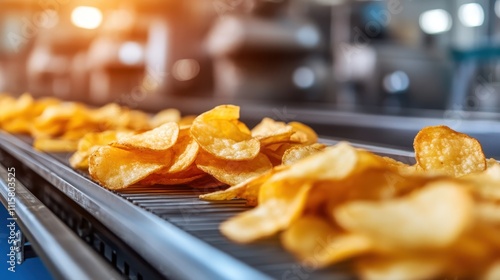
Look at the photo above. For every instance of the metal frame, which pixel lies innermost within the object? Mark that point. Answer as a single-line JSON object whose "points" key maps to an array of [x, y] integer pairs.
{"points": [[64, 253]]}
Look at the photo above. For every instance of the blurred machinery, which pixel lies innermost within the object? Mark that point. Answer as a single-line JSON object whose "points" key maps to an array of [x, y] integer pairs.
{"points": [[396, 57]]}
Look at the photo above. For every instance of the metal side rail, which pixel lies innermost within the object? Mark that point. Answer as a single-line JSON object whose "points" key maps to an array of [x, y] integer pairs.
{"points": [[170, 250], [64, 253]]}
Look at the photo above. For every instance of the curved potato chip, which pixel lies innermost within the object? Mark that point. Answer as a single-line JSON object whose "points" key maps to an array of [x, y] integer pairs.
{"points": [[303, 133], [90, 142], [307, 236], [233, 172], [402, 267], [269, 131], [165, 116], [161, 138], [486, 184], [183, 177], [274, 214], [185, 151], [333, 163], [442, 149], [433, 217], [216, 133], [115, 168], [248, 189], [297, 153]]}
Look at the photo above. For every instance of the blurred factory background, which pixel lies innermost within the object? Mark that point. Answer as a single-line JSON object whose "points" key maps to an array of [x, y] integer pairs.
{"points": [[374, 71]]}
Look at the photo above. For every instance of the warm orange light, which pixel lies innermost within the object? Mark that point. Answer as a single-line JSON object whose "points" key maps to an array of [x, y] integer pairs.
{"points": [[86, 17]]}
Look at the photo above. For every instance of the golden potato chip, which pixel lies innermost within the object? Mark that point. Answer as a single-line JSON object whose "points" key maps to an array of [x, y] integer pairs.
{"points": [[488, 212], [299, 152], [90, 142], [233, 172], [491, 162], [272, 215], [443, 149], [493, 272], [318, 244], [430, 218], [185, 152], [402, 267], [182, 177], [303, 133], [160, 138], [269, 131], [486, 184], [333, 163], [307, 236], [55, 145], [187, 120], [216, 133], [115, 168], [165, 116], [248, 189]]}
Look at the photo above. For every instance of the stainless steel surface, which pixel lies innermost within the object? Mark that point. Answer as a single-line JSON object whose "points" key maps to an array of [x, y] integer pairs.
{"points": [[63, 252]]}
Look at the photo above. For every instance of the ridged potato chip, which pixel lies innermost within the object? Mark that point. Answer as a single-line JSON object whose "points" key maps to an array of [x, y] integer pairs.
{"points": [[442, 149], [217, 133]]}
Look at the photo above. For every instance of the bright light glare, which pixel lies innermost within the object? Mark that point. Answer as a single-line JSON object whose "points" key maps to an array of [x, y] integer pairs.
{"points": [[131, 53], [86, 17], [435, 21], [185, 69], [471, 14], [497, 8], [396, 82], [303, 77]]}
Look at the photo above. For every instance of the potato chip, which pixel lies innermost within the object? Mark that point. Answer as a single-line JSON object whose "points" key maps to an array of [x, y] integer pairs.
{"points": [[233, 172], [318, 244], [443, 149], [333, 163], [160, 138], [165, 116], [185, 152], [115, 168], [216, 133], [299, 152], [488, 212], [269, 131], [90, 142], [248, 189], [486, 184], [402, 267], [55, 145], [276, 212], [182, 177], [187, 120], [430, 218], [493, 272], [303, 133]]}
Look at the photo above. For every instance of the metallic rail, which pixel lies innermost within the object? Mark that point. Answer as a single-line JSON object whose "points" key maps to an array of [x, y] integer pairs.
{"points": [[65, 254]]}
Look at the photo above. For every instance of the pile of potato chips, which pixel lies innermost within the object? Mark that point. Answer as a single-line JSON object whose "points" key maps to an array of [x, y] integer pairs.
{"points": [[437, 219], [216, 146], [57, 126]]}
